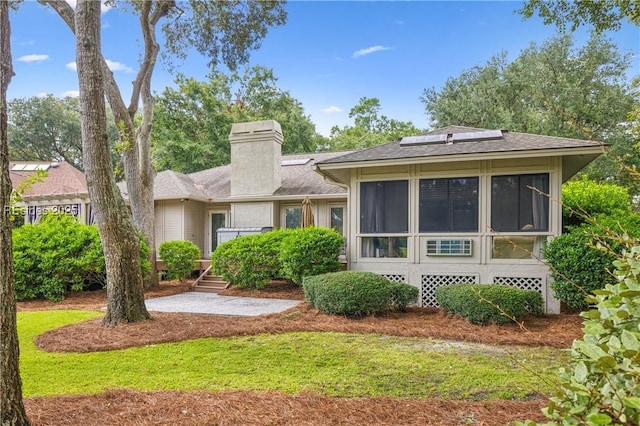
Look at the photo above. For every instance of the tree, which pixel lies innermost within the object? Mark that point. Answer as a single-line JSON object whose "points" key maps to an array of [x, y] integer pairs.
{"points": [[125, 301], [12, 410], [552, 89], [193, 121], [369, 128], [48, 129], [602, 15], [223, 31]]}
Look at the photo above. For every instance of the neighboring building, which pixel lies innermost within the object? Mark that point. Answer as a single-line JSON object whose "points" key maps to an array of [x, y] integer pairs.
{"points": [[64, 189], [456, 205]]}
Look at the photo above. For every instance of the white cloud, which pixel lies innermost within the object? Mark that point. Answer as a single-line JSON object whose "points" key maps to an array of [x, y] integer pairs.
{"points": [[117, 66], [32, 58], [42, 95], [70, 94], [331, 110], [113, 66], [370, 50], [398, 22]]}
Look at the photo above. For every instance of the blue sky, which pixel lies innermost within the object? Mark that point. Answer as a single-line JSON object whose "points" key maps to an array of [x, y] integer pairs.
{"points": [[328, 55]]}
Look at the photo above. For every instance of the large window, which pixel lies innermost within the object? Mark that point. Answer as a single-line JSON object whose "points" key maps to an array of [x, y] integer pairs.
{"points": [[449, 205], [384, 207], [293, 217], [519, 203]]}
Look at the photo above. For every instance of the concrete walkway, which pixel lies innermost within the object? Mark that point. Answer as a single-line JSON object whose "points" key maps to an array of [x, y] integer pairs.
{"points": [[211, 303]]}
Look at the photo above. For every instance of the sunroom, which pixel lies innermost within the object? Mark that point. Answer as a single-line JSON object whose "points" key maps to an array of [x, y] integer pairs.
{"points": [[458, 205]]}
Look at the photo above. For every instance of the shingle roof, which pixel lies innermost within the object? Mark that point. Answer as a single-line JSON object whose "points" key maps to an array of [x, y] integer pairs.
{"points": [[509, 142], [62, 179], [215, 184]]}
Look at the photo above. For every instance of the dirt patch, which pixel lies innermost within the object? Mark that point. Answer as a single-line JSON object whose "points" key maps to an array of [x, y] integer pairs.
{"points": [[126, 407]]}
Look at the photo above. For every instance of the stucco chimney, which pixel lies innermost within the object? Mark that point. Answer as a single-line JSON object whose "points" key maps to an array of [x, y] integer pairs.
{"points": [[255, 158]]}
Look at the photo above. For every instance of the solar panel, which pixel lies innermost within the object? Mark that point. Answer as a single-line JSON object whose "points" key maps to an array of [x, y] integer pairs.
{"points": [[423, 139], [17, 167], [30, 167], [298, 162], [477, 136]]}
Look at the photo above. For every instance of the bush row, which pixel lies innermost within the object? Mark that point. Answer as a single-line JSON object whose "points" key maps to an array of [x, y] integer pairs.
{"points": [[252, 261], [356, 293], [488, 303], [58, 255]]}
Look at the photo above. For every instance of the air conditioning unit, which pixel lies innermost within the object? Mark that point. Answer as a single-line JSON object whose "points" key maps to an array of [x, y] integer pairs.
{"points": [[446, 247]]}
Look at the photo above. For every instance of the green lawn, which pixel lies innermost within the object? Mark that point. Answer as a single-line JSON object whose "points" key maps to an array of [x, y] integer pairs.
{"points": [[335, 364]]}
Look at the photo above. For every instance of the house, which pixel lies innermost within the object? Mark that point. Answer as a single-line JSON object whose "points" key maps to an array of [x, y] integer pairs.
{"points": [[261, 188], [62, 189], [458, 205], [453, 205]]}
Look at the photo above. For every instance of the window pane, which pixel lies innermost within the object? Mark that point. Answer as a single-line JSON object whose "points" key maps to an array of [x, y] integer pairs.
{"points": [[517, 207], [337, 219], [293, 217], [384, 206], [517, 247], [449, 205], [384, 247]]}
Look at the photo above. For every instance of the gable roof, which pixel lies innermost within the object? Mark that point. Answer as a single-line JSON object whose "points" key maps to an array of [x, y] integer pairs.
{"points": [[506, 142], [298, 179], [63, 180]]}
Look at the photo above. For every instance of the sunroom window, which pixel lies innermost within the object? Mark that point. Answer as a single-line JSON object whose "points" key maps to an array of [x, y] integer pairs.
{"points": [[449, 205], [519, 203], [384, 209]]}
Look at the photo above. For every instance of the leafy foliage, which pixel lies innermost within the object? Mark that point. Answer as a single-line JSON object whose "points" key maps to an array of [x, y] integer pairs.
{"points": [[250, 261], [310, 251], [587, 198], [179, 257], [602, 15], [602, 386], [591, 99], [56, 255], [356, 293], [488, 303], [192, 123], [369, 128], [577, 267]]}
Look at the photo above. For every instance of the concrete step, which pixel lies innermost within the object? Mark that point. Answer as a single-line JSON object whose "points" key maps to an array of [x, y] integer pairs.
{"points": [[210, 284]]}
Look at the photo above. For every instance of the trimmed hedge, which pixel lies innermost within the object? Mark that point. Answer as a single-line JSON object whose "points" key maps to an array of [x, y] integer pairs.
{"points": [[488, 303], [356, 293], [310, 251], [250, 261], [588, 197], [179, 257]]}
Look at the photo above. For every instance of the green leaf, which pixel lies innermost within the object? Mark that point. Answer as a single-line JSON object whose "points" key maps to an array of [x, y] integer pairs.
{"points": [[629, 340], [599, 419], [581, 372], [632, 402]]}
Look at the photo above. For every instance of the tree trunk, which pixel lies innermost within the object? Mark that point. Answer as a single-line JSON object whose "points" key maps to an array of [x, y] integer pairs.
{"points": [[125, 299], [12, 410]]}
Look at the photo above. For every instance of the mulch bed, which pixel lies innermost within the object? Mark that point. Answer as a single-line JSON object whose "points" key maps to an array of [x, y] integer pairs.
{"points": [[129, 407]]}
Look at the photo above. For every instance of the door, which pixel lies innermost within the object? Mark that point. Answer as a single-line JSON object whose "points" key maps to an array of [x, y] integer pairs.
{"points": [[217, 220]]}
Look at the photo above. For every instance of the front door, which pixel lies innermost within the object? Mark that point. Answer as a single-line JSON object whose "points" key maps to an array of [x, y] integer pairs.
{"points": [[217, 220]]}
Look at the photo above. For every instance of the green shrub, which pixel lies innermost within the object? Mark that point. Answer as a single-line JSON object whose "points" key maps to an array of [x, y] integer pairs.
{"points": [[577, 268], [356, 293], [602, 385], [56, 255], [403, 295], [179, 257], [592, 198], [250, 261], [486, 303], [310, 251]]}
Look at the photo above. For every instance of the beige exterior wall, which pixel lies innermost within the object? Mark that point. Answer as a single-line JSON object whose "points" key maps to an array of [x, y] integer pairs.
{"points": [[427, 271], [256, 214]]}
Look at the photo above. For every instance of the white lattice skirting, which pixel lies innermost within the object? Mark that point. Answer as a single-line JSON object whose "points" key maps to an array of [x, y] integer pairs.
{"points": [[431, 282]]}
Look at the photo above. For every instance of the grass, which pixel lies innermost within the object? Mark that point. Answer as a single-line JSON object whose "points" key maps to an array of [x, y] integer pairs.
{"points": [[335, 364]]}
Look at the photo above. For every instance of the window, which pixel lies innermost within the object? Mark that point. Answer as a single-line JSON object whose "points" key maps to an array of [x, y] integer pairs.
{"points": [[515, 207], [337, 219], [384, 207], [449, 205], [384, 247], [293, 217]]}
